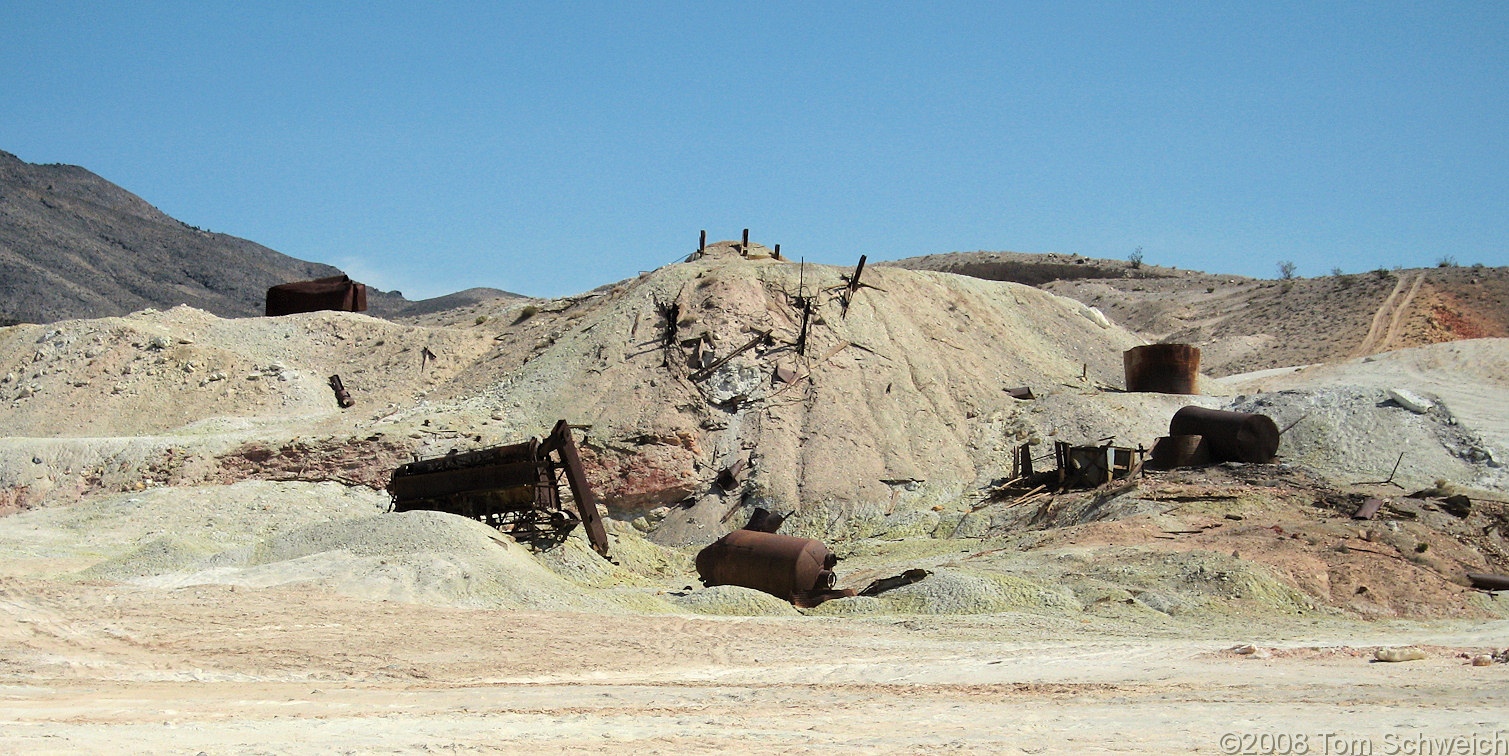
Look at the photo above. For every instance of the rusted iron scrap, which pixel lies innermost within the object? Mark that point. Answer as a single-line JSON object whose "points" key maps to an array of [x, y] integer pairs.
{"points": [[764, 521], [882, 585], [799, 570], [1488, 582], [333, 293], [515, 488], [1230, 436], [342, 396], [1162, 368]]}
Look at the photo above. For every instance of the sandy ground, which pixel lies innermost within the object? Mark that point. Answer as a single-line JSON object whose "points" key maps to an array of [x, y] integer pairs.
{"points": [[219, 670]]}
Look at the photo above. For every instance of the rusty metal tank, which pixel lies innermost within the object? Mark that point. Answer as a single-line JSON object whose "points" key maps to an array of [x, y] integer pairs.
{"points": [[780, 565], [1163, 368], [1230, 436]]}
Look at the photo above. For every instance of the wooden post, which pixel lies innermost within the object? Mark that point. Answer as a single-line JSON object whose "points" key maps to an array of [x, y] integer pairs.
{"points": [[777, 252], [744, 248], [702, 241], [853, 286]]}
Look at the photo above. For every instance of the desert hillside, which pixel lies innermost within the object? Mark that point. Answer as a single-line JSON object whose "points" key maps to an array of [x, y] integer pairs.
{"points": [[193, 524], [1243, 324], [73, 245]]}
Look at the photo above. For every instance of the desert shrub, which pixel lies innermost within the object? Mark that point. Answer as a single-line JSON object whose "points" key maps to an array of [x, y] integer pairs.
{"points": [[1337, 272], [526, 312], [1286, 270], [1447, 262], [1135, 258], [481, 319]]}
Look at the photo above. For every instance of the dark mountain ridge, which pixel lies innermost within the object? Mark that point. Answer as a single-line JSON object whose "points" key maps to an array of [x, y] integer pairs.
{"points": [[74, 245]]}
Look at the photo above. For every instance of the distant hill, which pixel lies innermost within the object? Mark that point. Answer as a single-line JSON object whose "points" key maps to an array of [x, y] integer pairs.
{"points": [[73, 245], [1244, 324]]}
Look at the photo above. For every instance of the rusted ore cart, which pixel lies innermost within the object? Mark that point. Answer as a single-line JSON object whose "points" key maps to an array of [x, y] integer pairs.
{"points": [[514, 488]]}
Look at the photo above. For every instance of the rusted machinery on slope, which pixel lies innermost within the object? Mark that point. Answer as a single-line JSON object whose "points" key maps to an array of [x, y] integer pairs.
{"points": [[333, 293], [514, 488]]}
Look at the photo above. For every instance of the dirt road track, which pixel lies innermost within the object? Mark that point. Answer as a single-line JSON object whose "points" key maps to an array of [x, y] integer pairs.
{"points": [[1390, 316], [94, 669]]}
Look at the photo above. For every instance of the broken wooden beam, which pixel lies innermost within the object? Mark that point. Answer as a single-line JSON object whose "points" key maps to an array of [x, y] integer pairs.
{"points": [[707, 371]]}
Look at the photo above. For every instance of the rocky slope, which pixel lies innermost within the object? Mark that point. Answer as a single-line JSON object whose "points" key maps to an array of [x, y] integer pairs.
{"points": [[1243, 324]]}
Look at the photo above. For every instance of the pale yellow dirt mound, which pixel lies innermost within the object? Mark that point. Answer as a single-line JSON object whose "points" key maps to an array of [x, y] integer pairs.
{"points": [[151, 372], [898, 402]]}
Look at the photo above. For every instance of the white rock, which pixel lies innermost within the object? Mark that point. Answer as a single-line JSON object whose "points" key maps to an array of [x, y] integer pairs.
{"points": [[1411, 401], [1405, 653], [1096, 316]]}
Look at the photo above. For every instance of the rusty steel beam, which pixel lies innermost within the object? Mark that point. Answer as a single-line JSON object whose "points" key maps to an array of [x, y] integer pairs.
{"points": [[1489, 582], [586, 502]]}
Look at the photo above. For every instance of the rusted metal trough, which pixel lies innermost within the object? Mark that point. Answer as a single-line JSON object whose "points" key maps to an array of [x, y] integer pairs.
{"points": [[514, 488], [799, 570], [333, 293], [1162, 368]]}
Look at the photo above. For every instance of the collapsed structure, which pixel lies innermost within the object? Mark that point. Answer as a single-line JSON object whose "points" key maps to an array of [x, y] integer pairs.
{"points": [[514, 488]]}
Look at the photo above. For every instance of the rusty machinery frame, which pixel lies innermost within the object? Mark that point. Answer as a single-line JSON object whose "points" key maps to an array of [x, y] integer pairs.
{"points": [[515, 488]]}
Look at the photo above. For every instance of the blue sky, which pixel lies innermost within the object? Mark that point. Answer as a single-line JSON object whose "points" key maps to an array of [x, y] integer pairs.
{"points": [[548, 148]]}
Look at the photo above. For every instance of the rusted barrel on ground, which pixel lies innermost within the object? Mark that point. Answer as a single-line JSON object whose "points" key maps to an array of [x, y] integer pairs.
{"points": [[1170, 452], [1230, 436], [780, 565], [1162, 368]]}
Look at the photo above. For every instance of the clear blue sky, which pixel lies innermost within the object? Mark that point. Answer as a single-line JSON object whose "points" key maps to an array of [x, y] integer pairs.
{"points": [[547, 148]]}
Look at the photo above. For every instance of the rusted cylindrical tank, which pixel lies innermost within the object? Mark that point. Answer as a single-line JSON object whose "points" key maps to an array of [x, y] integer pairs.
{"points": [[1170, 452], [1230, 436], [1163, 368], [780, 565]]}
